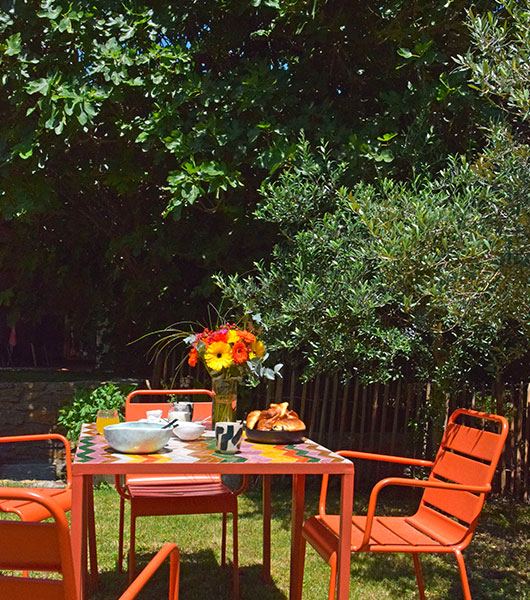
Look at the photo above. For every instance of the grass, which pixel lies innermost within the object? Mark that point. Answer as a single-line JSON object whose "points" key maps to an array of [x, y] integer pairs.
{"points": [[498, 559]]}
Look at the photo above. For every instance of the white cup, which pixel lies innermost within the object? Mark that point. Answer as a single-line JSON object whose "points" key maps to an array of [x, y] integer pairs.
{"points": [[228, 436], [180, 411]]}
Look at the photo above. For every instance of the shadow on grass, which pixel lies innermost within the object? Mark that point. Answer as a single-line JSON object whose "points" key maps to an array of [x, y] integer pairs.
{"points": [[200, 577]]}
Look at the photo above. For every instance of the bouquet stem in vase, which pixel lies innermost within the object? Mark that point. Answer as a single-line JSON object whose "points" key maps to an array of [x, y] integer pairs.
{"points": [[225, 399]]}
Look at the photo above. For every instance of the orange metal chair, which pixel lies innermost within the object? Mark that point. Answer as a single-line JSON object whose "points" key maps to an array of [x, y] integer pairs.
{"points": [[31, 511], [175, 494], [448, 513], [45, 547]]}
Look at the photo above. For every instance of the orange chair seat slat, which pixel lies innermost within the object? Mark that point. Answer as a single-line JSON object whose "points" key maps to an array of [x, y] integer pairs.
{"points": [[439, 526], [465, 506], [31, 511], [163, 480], [175, 491], [26, 588], [182, 499], [473, 442], [41, 554], [460, 469], [385, 530], [321, 538]]}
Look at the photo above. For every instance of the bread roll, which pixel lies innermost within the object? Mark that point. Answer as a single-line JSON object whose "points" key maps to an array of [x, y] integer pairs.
{"points": [[276, 418], [288, 424], [252, 418], [266, 424]]}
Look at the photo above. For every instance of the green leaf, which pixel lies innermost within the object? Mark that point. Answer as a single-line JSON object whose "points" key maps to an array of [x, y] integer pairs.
{"points": [[14, 44], [406, 53], [41, 86], [27, 154], [387, 137]]}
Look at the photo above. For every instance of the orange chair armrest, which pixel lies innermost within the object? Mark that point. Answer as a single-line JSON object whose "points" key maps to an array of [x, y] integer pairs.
{"points": [[46, 436], [122, 490], [168, 550], [402, 460], [243, 486], [401, 481]]}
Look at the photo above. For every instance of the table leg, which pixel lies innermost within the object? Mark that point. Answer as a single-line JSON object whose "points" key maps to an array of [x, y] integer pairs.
{"points": [[266, 501], [344, 557], [78, 534], [297, 546], [91, 526]]}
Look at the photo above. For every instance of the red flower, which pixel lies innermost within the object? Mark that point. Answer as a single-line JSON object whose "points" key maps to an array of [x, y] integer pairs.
{"points": [[239, 353], [219, 336], [192, 358]]}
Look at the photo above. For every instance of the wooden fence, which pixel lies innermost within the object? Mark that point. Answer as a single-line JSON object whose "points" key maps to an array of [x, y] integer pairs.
{"points": [[393, 418]]}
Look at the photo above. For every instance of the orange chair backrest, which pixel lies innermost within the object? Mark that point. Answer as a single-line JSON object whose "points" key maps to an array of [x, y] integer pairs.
{"points": [[135, 410], [36, 547], [468, 455]]}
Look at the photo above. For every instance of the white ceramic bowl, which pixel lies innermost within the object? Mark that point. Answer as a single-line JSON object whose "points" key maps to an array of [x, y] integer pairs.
{"points": [[188, 431], [134, 437]]}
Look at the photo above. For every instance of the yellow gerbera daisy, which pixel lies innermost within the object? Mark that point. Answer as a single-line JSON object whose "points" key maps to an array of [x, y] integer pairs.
{"points": [[218, 356], [258, 348], [232, 336]]}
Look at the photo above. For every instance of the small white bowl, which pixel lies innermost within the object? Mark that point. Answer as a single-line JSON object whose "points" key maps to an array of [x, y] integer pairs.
{"points": [[188, 431]]}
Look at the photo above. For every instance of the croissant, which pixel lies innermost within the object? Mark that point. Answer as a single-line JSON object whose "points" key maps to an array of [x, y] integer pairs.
{"points": [[288, 424], [276, 418], [266, 424], [252, 418]]}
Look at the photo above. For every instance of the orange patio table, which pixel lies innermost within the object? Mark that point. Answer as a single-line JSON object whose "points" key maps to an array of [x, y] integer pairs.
{"points": [[94, 456]]}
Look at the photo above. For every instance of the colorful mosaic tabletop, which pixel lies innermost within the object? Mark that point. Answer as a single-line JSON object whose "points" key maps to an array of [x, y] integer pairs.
{"points": [[94, 449]]}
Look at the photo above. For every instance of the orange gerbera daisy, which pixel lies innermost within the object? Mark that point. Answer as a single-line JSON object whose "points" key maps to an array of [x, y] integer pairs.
{"points": [[239, 353], [219, 336], [246, 336]]}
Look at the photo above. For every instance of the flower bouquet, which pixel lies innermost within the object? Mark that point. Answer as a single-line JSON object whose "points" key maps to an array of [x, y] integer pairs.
{"points": [[232, 356]]}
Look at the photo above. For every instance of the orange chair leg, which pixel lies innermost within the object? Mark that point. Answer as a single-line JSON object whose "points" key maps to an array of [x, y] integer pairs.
{"points": [[235, 556], [132, 548], [463, 575], [223, 542], [120, 535], [332, 576], [419, 575]]}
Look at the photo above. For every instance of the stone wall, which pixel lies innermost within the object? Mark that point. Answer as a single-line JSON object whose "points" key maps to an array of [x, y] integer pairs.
{"points": [[31, 408]]}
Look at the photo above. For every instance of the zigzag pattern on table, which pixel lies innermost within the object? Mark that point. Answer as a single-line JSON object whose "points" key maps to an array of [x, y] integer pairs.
{"points": [[93, 448]]}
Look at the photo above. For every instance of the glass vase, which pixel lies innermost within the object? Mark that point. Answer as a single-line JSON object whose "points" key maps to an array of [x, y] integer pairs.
{"points": [[225, 399]]}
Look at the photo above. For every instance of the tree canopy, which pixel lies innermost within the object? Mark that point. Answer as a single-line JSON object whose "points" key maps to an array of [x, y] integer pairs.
{"points": [[427, 278], [134, 136]]}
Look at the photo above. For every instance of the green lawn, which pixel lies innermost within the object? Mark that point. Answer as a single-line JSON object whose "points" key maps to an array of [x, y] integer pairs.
{"points": [[498, 560]]}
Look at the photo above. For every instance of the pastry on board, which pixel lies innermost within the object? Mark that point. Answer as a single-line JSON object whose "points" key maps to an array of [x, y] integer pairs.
{"points": [[277, 417]]}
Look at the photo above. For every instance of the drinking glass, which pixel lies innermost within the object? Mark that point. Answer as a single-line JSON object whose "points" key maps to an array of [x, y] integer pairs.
{"points": [[106, 417]]}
